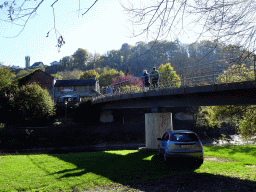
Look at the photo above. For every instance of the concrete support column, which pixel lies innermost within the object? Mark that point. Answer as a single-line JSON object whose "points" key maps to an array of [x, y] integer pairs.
{"points": [[155, 125]]}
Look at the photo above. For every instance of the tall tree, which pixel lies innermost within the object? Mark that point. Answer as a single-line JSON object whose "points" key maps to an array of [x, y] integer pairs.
{"points": [[168, 77], [243, 115], [106, 77], [236, 73], [7, 90], [125, 52], [89, 74], [80, 57], [6, 77], [93, 59], [67, 61]]}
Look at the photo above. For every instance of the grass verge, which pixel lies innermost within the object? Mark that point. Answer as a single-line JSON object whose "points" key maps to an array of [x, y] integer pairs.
{"points": [[93, 170]]}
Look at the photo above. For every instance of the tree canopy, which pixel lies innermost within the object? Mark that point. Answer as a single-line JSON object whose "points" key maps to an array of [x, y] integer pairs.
{"points": [[68, 74], [6, 77], [168, 76], [106, 77], [89, 74], [34, 104], [80, 57], [7, 90], [27, 104], [241, 115]]}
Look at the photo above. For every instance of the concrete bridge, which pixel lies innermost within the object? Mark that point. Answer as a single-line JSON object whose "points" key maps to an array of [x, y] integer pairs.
{"points": [[240, 93], [158, 120], [205, 91]]}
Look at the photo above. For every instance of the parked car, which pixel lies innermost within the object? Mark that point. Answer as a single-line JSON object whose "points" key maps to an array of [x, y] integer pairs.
{"points": [[182, 145]]}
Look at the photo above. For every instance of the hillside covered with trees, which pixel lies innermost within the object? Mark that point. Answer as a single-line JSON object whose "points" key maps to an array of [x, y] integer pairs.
{"points": [[134, 59], [130, 61]]}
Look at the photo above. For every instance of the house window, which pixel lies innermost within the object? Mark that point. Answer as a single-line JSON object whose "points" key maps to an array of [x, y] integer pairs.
{"points": [[58, 99], [91, 88], [59, 88], [75, 88], [67, 89]]}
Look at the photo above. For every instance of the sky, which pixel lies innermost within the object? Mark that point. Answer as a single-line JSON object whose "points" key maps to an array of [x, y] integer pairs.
{"points": [[103, 28]]}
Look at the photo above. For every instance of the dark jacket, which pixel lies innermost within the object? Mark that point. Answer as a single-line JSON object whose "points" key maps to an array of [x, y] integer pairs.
{"points": [[146, 80]]}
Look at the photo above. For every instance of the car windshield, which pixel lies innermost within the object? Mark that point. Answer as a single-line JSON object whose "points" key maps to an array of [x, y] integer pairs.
{"points": [[184, 137]]}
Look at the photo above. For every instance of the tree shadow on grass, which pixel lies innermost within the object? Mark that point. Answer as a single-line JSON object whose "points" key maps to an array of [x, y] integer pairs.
{"points": [[147, 172]]}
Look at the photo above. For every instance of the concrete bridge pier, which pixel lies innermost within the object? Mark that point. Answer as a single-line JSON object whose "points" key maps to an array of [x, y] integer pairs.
{"points": [[155, 125]]}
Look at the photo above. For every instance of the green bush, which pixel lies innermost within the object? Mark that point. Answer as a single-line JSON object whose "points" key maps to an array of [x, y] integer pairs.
{"points": [[33, 104], [133, 88]]}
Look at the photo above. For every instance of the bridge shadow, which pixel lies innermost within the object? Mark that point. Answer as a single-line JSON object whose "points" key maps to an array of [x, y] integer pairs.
{"points": [[118, 168], [147, 172]]}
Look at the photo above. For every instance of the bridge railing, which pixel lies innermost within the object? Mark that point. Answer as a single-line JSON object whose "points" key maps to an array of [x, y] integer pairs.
{"points": [[191, 76]]}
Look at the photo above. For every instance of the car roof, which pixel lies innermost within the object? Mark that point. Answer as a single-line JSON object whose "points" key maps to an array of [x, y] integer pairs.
{"points": [[180, 131]]}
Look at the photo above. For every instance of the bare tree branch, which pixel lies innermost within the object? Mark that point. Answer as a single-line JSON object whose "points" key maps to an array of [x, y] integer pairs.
{"points": [[15, 13], [90, 7], [29, 15], [231, 21]]}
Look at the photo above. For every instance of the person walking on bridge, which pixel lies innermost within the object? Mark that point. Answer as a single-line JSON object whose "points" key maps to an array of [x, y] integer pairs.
{"points": [[154, 76], [145, 80]]}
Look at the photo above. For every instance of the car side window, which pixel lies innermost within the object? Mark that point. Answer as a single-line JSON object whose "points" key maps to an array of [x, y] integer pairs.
{"points": [[165, 137]]}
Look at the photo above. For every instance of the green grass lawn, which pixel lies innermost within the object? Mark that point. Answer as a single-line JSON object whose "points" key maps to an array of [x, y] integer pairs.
{"points": [[89, 170], [233, 161]]}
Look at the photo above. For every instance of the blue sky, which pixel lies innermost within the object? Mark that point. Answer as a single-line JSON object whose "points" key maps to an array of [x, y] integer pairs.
{"points": [[104, 28]]}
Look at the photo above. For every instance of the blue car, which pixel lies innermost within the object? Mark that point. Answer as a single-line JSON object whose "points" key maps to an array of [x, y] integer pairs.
{"points": [[182, 145]]}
